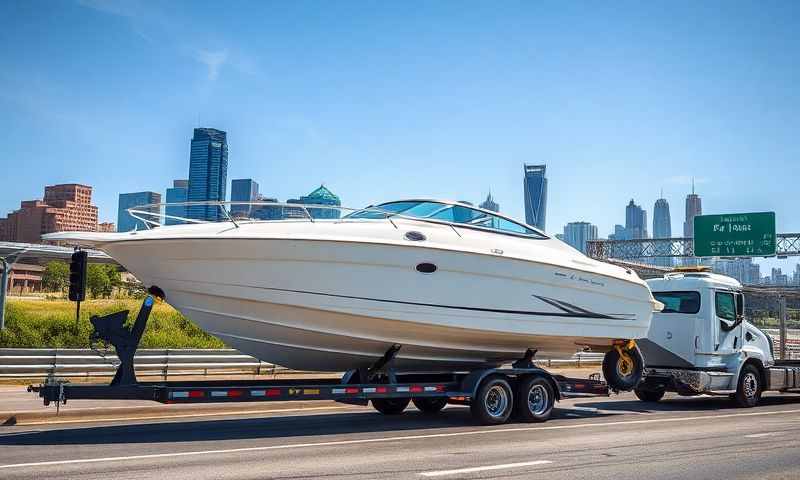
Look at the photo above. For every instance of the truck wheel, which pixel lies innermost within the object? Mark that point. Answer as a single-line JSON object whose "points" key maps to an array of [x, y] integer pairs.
{"points": [[390, 406], [534, 399], [748, 390], [649, 395], [493, 401], [623, 374], [430, 405]]}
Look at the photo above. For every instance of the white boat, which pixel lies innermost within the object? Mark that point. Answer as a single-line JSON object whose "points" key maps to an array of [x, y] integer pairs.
{"points": [[455, 286]]}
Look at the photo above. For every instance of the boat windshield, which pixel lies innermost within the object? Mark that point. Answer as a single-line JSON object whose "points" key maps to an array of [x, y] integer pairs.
{"points": [[454, 213]]}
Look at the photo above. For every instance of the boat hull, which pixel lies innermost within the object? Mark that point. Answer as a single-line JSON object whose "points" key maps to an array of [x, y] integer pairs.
{"points": [[337, 305]]}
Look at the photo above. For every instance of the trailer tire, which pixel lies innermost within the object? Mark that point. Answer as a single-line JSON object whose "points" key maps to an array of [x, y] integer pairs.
{"points": [[534, 400], [390, 406], [493, 401], [621, 375], [749, 388], [430, 405], [652, 396]]}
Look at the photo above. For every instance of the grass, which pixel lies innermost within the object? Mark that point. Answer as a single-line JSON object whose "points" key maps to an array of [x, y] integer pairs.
{"points": [[49, 323]]}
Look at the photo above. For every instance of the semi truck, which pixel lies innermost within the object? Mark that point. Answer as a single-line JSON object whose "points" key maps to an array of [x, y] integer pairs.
{"points": [[701, 343]]}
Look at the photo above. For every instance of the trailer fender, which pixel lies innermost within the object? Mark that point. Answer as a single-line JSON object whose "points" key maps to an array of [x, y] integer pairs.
{"points": [[470, 383]]}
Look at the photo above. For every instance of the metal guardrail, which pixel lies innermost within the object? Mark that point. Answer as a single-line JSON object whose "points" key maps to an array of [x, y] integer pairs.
{"points": [[164, 363], [40, 363]]}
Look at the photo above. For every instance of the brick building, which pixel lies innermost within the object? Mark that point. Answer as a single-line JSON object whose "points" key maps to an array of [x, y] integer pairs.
{"points": [[106, 227], [24, 278], [66, 207]]}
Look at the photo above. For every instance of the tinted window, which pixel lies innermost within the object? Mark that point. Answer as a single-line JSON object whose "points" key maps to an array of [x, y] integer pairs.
{"points": [[726, 306], [679, 302]]}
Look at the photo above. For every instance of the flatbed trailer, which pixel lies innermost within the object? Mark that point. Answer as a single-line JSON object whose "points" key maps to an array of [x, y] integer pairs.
{"points": [[493, 394]]}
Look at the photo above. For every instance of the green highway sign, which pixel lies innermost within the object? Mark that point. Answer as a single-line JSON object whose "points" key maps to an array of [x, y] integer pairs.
{"points": [[735, 235]]}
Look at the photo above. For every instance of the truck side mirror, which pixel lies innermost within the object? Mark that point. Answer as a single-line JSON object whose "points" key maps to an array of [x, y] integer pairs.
{"points": [[739, 306]]}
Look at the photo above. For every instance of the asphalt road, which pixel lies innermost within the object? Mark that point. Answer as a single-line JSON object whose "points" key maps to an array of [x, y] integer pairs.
{"points": [[594, 439]]}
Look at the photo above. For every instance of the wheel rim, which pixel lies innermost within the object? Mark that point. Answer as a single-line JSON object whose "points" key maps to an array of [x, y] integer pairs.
{"points": [[538, 400], [750, 385], [624, 368], [496, 401]]}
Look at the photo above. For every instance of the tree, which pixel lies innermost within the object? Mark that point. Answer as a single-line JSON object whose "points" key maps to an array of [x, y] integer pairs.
{"points": [[55, 277], [97, 281]]}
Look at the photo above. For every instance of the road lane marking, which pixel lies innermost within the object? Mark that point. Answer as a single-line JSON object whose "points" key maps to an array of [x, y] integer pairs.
{"points": [[186, 415], [441, 473], [761, 435], [396, 439]]}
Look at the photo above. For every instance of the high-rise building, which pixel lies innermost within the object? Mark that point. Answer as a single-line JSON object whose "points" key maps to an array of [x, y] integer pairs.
{"points": [[778, 277], [796, 275], [125, 222], [577, 234], [179, 193], [490, 204], [320, 196], [535, 184], [243, 190], [66, 207], [619, 233], [267, 212], [742, 269], [208, 173], [694, 207], [635, 221], [662, 228]]}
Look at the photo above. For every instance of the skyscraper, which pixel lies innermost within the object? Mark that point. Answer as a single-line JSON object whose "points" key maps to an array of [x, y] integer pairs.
{"points": [[490, 204], [535, 184], [125, 222], [177, 194], [243, 190], [320, 196], [577, 234], [208, 172], [662, 228], [694, 207], [635, 221]]}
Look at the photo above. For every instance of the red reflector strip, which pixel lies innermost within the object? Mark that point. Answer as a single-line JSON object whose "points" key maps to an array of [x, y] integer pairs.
{"points": [[381, 390], [415, 389], [273, 392], [197, 394], [351, 390], [580, 385], [235, 393]]}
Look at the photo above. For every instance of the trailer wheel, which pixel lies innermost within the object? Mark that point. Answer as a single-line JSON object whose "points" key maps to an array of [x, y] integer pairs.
{"points": [[493, 401], [430, 404], [748, 390], [623, 373], [534, 399], [649, 395], [390, 406]]}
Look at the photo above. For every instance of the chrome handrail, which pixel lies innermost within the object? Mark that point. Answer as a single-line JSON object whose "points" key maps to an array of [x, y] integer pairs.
{"points": [[142, 213]]}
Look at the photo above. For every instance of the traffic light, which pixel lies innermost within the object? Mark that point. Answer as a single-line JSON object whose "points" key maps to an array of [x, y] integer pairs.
{"points": [[77, 276]]}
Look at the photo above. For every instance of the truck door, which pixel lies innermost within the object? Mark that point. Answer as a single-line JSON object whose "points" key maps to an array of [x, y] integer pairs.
{"points": [[729, 339]]}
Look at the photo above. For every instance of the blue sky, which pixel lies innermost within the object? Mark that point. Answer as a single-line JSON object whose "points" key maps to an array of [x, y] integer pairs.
{"points": [[383, 100]]}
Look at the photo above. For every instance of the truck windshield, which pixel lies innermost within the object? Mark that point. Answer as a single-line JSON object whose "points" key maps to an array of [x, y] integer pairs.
{"points": [[679, 302]]}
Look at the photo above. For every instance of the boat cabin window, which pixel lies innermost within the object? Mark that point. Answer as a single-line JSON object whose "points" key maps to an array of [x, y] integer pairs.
{"points": [[679, 302], [454, 213], [726, 306]]}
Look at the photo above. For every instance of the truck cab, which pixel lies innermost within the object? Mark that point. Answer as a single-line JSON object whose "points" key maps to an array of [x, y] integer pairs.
{"points": [[701, 343]]}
